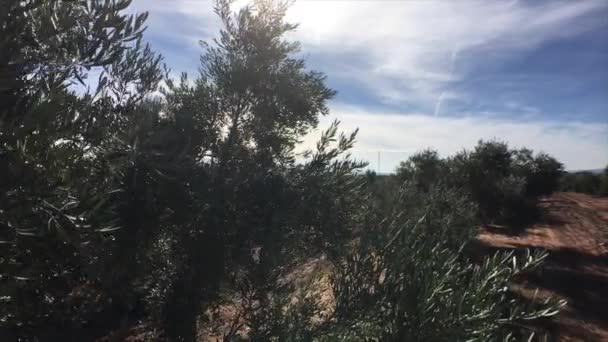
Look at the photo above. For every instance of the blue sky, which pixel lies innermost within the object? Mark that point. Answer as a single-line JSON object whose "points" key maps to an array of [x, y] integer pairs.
{"points": [[441, 74]]}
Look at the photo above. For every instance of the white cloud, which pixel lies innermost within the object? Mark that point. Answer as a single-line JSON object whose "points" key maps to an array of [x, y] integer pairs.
{"points": [[414, 53], [397, 135], [404, 52], [410, 48]]}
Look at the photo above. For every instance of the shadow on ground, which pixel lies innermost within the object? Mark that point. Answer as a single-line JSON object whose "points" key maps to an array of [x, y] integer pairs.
{"points": [[573, 229]]}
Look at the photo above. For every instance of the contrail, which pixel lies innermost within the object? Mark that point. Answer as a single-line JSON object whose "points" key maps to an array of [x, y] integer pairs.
{"points": [[453, 57], [438, 103]]}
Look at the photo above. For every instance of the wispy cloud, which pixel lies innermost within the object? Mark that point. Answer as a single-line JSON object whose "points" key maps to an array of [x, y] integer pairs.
{"points": [[442, 95], [410, 47], [441, 63], [404, 52]]}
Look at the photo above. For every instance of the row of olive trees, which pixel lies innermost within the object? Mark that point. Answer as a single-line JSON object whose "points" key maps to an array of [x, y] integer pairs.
{"points": [[117, 207], [586, 182], [504, 183]]}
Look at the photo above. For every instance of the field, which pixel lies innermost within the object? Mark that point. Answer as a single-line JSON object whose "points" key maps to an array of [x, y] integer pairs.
{"points": [[574, 228]]}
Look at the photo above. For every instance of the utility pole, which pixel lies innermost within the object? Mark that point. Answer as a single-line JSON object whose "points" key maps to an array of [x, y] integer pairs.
{"points": [[378, 162]]}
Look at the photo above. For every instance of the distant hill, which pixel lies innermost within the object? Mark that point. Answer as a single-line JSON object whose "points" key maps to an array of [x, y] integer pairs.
{"points": [[594, 171]]}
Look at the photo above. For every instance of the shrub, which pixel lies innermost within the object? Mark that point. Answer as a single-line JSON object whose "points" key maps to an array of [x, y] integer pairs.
{"points": [[423, 169], [489, 167], [604, 185], [542, 177]]}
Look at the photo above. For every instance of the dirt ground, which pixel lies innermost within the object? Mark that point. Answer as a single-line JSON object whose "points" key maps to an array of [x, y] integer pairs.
{"points": [[574, 228]]}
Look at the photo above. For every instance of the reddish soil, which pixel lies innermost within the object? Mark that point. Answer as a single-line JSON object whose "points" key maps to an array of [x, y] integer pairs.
{"points": [[574, 229]]}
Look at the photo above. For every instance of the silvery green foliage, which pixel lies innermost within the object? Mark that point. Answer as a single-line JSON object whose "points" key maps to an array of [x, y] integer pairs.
{"points": [[65, 153], [410, 278]]}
